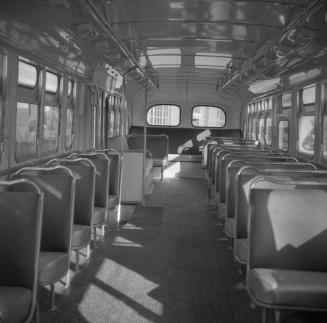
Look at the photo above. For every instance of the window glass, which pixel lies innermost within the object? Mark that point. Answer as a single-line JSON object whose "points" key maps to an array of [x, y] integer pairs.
{"points": [[27, 74], [306, 135], [205, 116], [70, 87], [50, 128], [261, 130], [309, 95], [250, 127], [164, 115], [268, 130], [254, 128], [286, 100], [69, 128], [117, 125], [26, 129], [244, 129], [51, 82], [283, 131], [269, 104], [325, 138], [111, 123], [94, 126]]}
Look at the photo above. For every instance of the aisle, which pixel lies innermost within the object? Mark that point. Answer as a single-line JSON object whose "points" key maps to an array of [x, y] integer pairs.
{"points": [[160, 267]]}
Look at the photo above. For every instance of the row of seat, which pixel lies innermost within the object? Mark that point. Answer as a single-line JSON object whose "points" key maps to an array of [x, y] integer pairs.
{"points": [[52, 210], [273, 210]]}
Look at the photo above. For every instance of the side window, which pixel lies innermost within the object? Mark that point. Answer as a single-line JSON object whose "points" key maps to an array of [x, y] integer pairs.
{"points": [[27, 110], [118, 116], [324, 134], [208, 117], [261, 128], [111, 117], [164, 115], [51, 113], [94, 126], [283, 133], [2, 99], [268, 121], [307, 120], [70, 112]]}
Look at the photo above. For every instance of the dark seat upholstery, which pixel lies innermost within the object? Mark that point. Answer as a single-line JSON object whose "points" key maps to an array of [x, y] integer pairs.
{"points": [[58, 185], [15, 303], [84, 173], [102, 165], [243, 182], [233, 168], [287, 265], [21, 206], [114, 174]]}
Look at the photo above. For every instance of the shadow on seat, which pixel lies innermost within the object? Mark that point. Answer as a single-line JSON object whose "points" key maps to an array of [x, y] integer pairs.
{"points": [[84, 174], [58, 186], [21, 207], [287, 267], [100, 212]]}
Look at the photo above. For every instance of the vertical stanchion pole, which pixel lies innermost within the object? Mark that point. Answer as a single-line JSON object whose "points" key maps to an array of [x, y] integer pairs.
{"points": [[144, 139]]}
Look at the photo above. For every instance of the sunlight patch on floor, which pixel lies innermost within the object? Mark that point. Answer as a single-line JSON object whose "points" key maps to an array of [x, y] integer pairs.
{"points": [[122, 242]]}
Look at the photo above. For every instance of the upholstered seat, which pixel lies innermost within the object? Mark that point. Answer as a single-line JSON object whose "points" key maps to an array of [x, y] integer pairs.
{"points": [[99, 216], [52, 266], [81, 235], [15, 303], [288, 287]]}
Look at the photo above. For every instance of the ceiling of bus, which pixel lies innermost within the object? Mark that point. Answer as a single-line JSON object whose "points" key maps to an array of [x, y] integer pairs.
{"points": [[220, 42]]}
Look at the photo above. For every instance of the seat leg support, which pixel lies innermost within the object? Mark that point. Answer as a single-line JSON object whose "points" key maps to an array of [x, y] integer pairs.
{"points": [[67, 281], [94, 237], [77, 260], [88, 251], [277, 316], [53, 297], [264, 315]]}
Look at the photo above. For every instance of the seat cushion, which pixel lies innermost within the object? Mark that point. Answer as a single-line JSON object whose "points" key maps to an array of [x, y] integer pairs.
{"points": [[230, 227], [15, 304], [52, 266], [99, 216], [288, 287], [112, 201], [81, 236], [241, 247], [159, 162]]}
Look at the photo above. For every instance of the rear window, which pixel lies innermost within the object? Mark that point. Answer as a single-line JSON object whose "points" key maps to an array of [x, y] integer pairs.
{"points": [[164, 115], [207, 116]]}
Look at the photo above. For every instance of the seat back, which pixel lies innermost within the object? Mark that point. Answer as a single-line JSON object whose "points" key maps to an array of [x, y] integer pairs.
{"points": [[256, 158], [58, 186], [21, 207], [288, 225], [84, 172], [244, 179], [102, 164], [234, 167], [114, 170]]}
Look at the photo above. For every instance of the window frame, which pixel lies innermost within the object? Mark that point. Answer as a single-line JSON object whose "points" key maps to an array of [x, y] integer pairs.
{"points": [[51, 99], [306, 110], [70, 105], [208, 106], [288, 136], [164, 126]]}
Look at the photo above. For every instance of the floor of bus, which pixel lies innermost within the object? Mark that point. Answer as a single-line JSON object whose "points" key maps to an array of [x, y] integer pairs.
{"points": [[170, 263]]}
